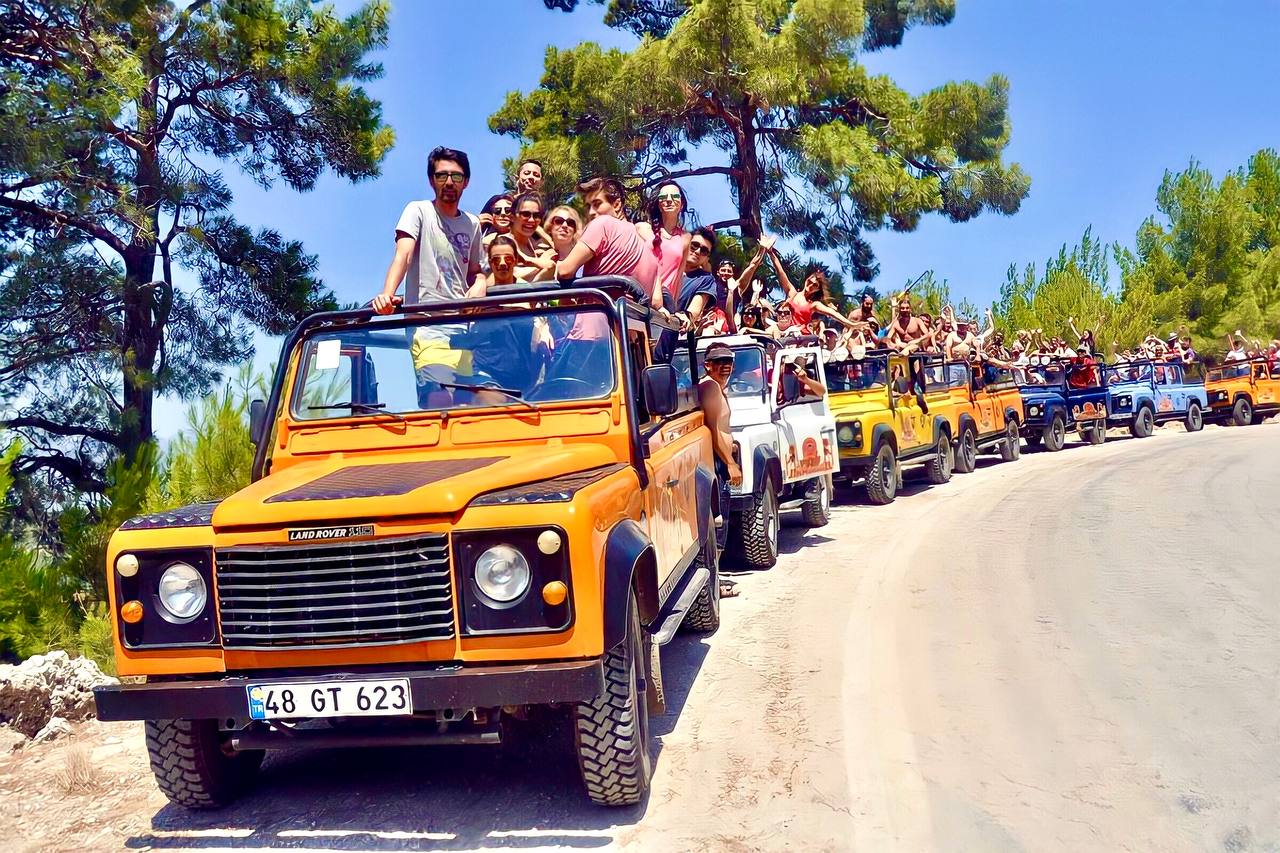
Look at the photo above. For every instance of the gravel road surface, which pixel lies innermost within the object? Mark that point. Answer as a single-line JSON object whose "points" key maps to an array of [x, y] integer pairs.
{"points": [[1076, 651]]}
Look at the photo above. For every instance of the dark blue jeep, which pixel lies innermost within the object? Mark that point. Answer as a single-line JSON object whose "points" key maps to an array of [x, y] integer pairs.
{"points": [[1141, 394], [1063, 395]]}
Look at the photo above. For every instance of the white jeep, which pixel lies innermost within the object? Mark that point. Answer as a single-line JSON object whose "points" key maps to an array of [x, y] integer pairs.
{"points": [[784, 438]]}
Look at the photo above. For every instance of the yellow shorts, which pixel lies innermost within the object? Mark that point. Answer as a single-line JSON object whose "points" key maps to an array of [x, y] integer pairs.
{"points": [[433, 351]]}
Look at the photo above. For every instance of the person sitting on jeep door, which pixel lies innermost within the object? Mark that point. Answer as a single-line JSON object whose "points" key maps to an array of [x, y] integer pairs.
{"points": [[796, 383], [717, 368]]}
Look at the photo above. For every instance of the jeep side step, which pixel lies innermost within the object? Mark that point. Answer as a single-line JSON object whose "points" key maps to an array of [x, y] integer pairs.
{"points": [[671, 622]]}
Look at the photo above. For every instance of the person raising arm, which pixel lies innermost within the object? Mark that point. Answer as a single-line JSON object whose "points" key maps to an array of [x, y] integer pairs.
{"points": [[810, 298]]}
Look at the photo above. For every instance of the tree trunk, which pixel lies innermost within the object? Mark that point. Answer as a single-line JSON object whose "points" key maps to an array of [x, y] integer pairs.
{"points": [[140, 338], [748, 177]]}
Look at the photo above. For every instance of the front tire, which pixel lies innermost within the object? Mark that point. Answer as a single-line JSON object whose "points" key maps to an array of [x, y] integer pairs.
{"points": [[757, 532], [1011, 447], [1143, 423], [1097, 434], [1055, 434], [816, 509], [943, 462], [193, 765], [967, 452], [1242, 412], [611, 732], [882, 476], [1195, 418]]}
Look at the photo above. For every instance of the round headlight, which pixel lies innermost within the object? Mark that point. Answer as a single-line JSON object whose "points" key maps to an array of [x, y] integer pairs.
{"points": [[182, 591], [502, 573], [845, 435]]}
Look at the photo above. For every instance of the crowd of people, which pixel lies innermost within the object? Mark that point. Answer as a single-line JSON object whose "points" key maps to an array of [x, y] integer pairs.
{"points": [[447, 253]]}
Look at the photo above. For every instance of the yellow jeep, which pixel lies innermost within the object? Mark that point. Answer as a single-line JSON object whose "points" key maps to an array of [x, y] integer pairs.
{"points": [[885, 420], [1242, 392], [983, 409], [461, 513]]}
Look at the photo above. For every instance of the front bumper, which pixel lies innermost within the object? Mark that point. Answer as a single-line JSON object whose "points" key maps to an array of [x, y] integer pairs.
{"points": [[440, 688]]}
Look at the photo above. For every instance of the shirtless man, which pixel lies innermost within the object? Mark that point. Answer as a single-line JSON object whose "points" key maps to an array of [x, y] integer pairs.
{"points": [[718, 367], [905, 329]]}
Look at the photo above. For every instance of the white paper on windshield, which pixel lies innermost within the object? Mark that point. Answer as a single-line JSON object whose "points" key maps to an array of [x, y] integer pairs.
{"points": [[328, 353]]}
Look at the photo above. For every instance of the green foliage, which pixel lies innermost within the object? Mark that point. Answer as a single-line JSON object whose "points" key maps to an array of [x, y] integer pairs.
{"points": [[1210, 259], [114, 118], [815, 147], [213, 457]]}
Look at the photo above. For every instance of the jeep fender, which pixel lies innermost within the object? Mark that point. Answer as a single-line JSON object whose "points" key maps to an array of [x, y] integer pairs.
{"points": [[708, 497], [1243, 394], [628, 560], [883, 432], [1011, 414], [766, 463], [966, 422], [941, 429]]}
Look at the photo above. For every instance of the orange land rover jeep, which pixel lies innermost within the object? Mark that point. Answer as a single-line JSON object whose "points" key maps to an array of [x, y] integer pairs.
{"points": [[459, 513]]}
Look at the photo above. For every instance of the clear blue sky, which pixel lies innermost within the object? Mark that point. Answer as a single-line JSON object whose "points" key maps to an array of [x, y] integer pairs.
{"points": [[1105, 96]]}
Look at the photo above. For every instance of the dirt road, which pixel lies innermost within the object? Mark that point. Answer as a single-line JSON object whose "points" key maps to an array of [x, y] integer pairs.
{"points": [[1077, 651]]}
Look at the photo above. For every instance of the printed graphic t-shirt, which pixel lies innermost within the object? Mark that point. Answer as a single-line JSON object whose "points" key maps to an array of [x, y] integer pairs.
{"points": [[447, 246]]}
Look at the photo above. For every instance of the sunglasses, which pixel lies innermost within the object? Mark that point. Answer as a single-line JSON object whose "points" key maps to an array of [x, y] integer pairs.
{"points": [[668, 196], [700, 248], [530, 214], [450, 177], [502, 211], [564, 220]]}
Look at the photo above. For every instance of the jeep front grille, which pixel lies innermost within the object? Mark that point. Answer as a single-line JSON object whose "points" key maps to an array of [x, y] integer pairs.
{"points": [[377, 592]]}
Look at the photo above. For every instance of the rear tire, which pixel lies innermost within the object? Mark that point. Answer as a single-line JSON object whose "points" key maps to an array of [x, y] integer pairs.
{"points": [[1011, 447], [1143, 423], [1055, 434], [1242, 412], [611, 732], [193, 766], [882, 476], [967, 452], [943, 462], [757, 533], [704, 614], [1195, 418], [816, 509]]}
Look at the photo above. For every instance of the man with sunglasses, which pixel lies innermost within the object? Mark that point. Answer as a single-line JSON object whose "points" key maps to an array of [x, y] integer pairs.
{"points": [[440, 248], [699, 291]]}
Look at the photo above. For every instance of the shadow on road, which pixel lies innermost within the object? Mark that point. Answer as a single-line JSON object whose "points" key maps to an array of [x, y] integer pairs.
{"points": [[439, 798]]}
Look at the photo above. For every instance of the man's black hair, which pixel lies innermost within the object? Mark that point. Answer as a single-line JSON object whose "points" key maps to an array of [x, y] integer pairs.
{"points": [[441, 153], [706, 233], [527, 161]]}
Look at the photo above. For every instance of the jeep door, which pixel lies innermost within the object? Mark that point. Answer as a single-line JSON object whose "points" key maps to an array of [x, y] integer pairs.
{"points": [[909, 419], [806, 427], [1170, 396], [989, 416]]}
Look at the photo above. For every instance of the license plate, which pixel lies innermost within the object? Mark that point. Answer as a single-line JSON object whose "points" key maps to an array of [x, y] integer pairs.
{"points": [[387, 697]]}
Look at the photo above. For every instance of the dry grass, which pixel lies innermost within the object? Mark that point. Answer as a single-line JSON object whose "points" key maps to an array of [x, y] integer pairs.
{"points": [[78, 775]]}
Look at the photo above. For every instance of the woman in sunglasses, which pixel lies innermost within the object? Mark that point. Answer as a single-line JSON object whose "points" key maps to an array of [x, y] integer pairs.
{"points": [[809, 299], [666, 233], [564, 225], [535, 256], [495, 218]]}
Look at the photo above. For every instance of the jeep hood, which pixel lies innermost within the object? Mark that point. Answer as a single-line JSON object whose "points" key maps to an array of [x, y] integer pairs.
{"points": [[1133, 388], [339, 487]]}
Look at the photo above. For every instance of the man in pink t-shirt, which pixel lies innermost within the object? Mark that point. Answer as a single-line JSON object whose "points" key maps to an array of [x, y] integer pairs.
{"points": [[609, 245]]}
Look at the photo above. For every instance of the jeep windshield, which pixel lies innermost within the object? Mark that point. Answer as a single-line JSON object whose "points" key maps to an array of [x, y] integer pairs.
{"points": [[1118, 373], [747, 379], [524, 359], [857, 374], [1042, 374]]}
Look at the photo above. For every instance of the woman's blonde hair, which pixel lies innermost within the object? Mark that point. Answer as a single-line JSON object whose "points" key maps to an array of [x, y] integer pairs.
{"points": [[564, 210]]}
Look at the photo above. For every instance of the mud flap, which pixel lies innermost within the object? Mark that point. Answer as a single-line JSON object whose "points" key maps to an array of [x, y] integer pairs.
{"points": [[655, 694]]}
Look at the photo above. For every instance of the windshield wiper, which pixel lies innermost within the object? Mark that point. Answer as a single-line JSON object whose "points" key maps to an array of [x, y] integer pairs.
{"points": [[366, 408], [509, 393]]}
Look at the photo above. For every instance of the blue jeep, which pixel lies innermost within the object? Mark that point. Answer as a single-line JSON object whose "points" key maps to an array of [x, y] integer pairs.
{"points": [[1141, 394], [1063, 395]]}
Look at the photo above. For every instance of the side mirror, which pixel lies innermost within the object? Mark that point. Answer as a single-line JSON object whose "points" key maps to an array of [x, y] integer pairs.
{"points": [[257, 421], [661, 394]]}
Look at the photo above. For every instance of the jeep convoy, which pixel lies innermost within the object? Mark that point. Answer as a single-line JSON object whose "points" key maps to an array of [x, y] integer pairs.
{"points": [[469, 519], [451, 526]]}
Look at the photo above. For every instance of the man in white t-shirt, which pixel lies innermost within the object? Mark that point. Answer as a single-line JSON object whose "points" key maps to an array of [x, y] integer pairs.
{"points": [[439, 247]]}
